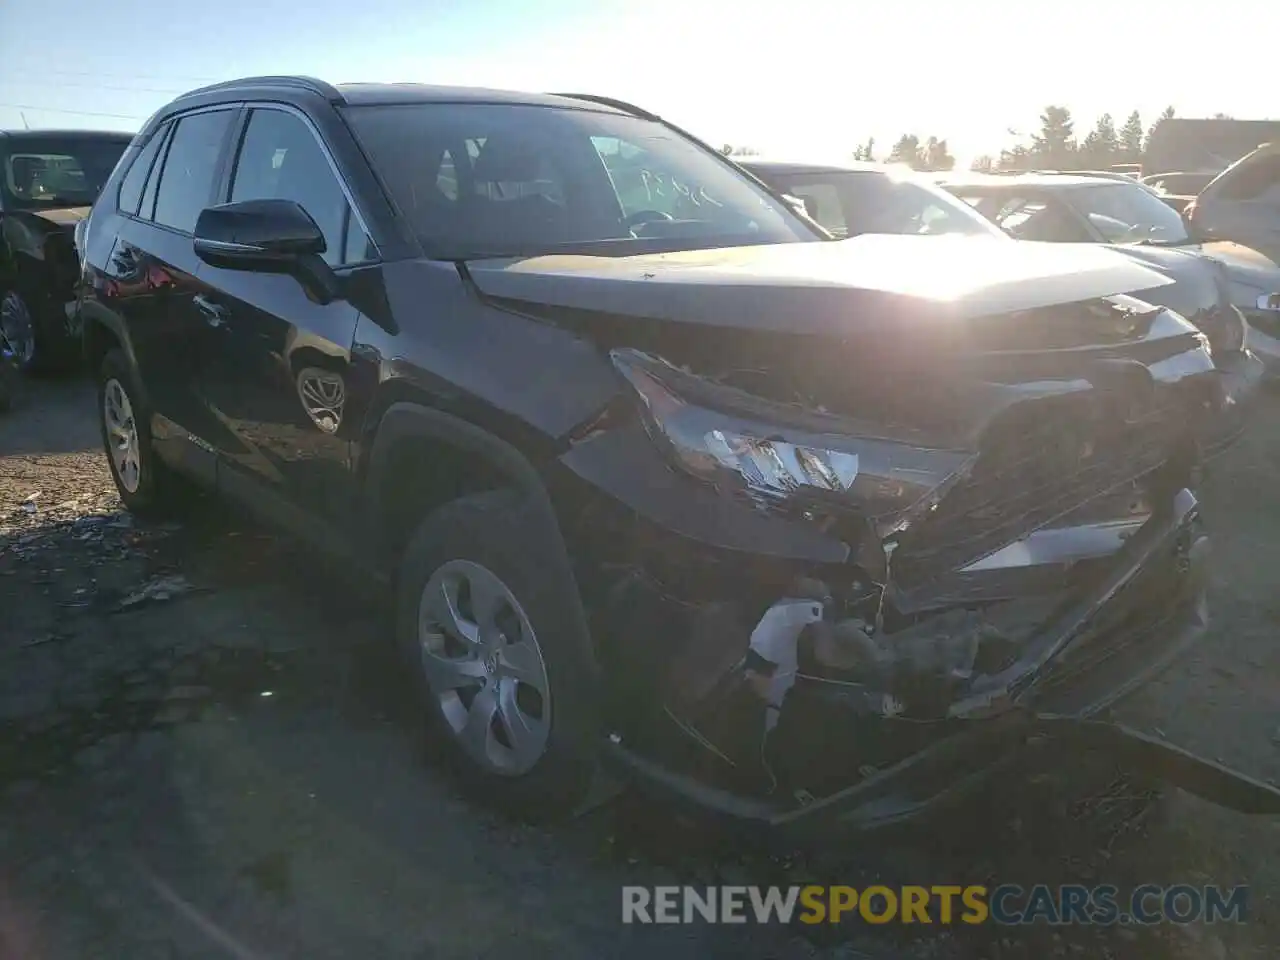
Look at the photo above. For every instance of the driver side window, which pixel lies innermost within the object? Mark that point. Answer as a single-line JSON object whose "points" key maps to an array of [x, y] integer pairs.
{"points": [[280, 158]]}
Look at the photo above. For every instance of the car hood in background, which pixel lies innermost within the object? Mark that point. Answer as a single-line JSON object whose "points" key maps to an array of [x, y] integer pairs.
{"points": [[50, 220], [1247, 273], [821, 287], [62, 215], [1245, 265]]}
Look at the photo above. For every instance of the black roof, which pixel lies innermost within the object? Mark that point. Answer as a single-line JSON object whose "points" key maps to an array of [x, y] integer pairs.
{"points": [[383, 93], [118, 135]]}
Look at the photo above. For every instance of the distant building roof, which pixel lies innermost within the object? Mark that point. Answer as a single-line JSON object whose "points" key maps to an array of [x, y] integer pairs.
{"points": [[1188, 145]]}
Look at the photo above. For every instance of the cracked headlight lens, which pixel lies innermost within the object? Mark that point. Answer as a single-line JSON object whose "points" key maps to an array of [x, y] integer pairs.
{"points": [[776, 461]]}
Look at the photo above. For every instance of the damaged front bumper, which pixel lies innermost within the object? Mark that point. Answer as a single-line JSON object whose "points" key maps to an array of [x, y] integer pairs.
{"points": [[952, 769], [868, 766]]}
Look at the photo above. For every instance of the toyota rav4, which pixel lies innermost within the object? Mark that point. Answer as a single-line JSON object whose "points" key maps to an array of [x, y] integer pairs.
{"points": [[662, 479]]}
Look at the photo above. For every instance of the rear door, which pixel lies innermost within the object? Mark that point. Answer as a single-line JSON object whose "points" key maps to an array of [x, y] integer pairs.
{"points": [[150, 276], [277, 376]]}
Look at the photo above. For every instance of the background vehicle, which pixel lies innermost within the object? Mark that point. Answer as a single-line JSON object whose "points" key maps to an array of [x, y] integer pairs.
{"points": [[630, 440], [1216, 289], [1203, 146], [48, 181], [854, 198], [1178, 183], [1242, 204]]}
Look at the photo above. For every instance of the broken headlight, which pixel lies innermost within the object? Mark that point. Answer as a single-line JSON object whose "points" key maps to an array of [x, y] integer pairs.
{"points": [[778, 455]]}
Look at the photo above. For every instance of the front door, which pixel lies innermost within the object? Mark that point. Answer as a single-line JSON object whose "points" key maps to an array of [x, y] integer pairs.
{"points": [[277, 376]]}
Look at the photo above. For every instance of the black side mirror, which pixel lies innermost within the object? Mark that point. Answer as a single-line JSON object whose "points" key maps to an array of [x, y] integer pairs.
{"points": [[266, 236]]}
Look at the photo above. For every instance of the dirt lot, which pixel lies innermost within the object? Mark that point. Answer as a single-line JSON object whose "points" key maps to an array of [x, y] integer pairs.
{"points": [[220, 767]]}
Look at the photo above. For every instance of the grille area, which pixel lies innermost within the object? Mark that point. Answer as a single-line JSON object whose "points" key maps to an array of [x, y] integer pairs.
{"points": [[1039, 461]]}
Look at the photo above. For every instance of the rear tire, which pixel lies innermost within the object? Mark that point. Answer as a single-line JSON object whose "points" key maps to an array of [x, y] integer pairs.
{"points": [[502, 677], [147, 486]]}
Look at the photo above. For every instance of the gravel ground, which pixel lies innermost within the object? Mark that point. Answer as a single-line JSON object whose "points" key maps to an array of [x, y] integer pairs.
{"points": [[203, 753]]}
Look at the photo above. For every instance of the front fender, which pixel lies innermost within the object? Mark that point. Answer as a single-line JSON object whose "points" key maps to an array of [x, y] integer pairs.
{"points": [[407, 422]]}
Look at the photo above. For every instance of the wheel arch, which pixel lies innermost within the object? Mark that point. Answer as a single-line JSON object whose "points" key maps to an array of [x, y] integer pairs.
{"points": [[421, 458], [100, 331]]}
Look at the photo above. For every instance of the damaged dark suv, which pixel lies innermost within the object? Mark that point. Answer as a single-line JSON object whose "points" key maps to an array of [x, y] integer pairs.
{"points": [[804, 531]]}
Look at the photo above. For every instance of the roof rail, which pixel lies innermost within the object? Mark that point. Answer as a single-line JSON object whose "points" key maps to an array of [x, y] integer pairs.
{"points": [[622, 105], [311, 84]]}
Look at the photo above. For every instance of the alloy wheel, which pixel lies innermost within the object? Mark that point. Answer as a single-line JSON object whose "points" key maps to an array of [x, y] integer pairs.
{"points": [[18, 328], [483, 664], [122, 434]]}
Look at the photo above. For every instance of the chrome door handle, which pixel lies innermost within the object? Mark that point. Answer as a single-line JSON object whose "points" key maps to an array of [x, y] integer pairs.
{"points": [[214, 315]]}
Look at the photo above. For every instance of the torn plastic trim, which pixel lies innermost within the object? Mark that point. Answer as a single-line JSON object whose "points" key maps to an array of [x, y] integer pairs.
{"points": [[949, 770], [927, 670], [1060, 545], [1016, 682], [1169, 763]]}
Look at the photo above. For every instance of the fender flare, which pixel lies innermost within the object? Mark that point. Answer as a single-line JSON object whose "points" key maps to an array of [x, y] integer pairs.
{"points": [[89, 313], [406, 420]]}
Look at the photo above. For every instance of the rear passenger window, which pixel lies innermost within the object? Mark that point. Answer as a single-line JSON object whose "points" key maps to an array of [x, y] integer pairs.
{"points": [[281, 159], [133, 182], [186, 182], [148, 207]]}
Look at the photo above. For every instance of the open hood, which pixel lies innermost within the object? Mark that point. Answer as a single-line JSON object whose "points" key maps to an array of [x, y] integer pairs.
{"points": [[821, 287]]}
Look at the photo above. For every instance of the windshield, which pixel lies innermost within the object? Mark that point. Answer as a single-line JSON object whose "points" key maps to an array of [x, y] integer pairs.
{"points": [[44, 172], [848, 203], [1129, 214], [498, 180]]}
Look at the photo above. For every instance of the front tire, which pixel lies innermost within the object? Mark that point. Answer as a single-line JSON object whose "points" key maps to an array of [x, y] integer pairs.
{"points": [[147, 486], [500, 671]]}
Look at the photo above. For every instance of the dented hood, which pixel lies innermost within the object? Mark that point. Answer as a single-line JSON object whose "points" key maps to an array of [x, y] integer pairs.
{"points": [[821, 287]]}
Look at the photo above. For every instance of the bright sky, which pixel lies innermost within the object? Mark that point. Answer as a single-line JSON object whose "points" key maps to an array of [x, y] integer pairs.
{"points": [[809, 78]]}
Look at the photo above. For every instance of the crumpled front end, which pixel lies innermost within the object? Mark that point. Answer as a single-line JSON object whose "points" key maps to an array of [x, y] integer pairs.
{"points": [[785, 659]]}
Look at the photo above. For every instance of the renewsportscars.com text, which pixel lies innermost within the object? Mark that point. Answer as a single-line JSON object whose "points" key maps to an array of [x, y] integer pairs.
{"points": [[943, 904]]}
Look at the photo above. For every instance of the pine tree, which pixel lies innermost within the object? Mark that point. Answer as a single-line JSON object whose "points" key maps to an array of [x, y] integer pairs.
{"points": [[1166, 115], [1101, 145], [1131, 139], [1055, 145], [906, 150], [935, 156]]}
